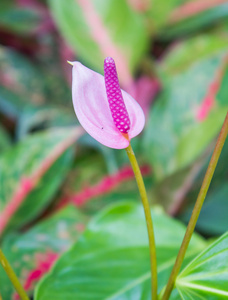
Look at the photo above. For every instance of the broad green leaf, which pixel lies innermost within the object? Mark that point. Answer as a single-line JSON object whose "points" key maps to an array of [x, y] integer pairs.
{"points": [[33, 253], [96, 29], [111, 259], [190, 110], [30, 174], [206, 276]]}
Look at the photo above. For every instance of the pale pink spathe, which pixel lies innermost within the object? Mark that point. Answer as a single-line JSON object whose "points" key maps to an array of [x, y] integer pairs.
{"points": [[92, 109]]}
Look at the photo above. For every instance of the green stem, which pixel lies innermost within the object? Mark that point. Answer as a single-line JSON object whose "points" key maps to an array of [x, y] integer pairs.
{"points": [[12, 276], [196, 211], [149, 223]]}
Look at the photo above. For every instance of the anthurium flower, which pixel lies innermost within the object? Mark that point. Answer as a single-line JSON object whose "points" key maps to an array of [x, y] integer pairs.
{"points": [[107, 113]]}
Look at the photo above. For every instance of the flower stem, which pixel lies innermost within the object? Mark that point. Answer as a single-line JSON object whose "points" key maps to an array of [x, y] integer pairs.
{"points": [[196, 211], [12, 276], [149, 223]]}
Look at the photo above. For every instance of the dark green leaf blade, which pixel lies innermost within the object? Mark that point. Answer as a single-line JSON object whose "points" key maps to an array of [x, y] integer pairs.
{"points": [[213, 216]]}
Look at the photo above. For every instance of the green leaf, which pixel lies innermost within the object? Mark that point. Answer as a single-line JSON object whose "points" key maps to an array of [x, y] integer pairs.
{"points": [[19, 20], [37, 118], [21, 77], [188, 114], [198, 138], [30, 174], [11, 104], [32, 254], [97, 29], [184, 22], [222, 93], [36, 88], [213, 216], [111, 259], [181, 57], [206, 276]]}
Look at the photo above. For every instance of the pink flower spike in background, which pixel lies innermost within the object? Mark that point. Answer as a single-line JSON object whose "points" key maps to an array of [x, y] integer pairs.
{"points": [[107, 113]]}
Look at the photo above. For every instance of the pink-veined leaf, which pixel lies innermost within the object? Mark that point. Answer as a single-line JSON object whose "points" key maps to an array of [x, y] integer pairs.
{"points": [[34, 252], [191, 108], [31, 172]]}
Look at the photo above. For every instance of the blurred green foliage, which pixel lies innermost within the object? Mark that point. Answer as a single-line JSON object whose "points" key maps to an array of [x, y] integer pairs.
{"points": [[172, 57]]}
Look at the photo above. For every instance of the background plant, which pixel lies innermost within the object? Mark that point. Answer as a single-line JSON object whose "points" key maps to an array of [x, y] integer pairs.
{"points": [[172, 57]]}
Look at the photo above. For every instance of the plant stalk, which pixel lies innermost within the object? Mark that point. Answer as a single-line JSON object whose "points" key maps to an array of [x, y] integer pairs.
{"points": [[196, 211], [149, 223], [12, 276]]}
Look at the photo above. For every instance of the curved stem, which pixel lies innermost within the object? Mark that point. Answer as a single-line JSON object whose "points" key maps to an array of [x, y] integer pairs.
{"points": [[197, 208], [149, 223], [12, 276]]}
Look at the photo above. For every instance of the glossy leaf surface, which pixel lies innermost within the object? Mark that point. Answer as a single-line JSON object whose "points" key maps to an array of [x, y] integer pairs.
{"points": [[111, 259], [206, 276]]}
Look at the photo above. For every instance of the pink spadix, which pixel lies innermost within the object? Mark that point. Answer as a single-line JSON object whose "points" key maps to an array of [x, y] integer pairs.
{"points": [[107, 113], [115, 98]]}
